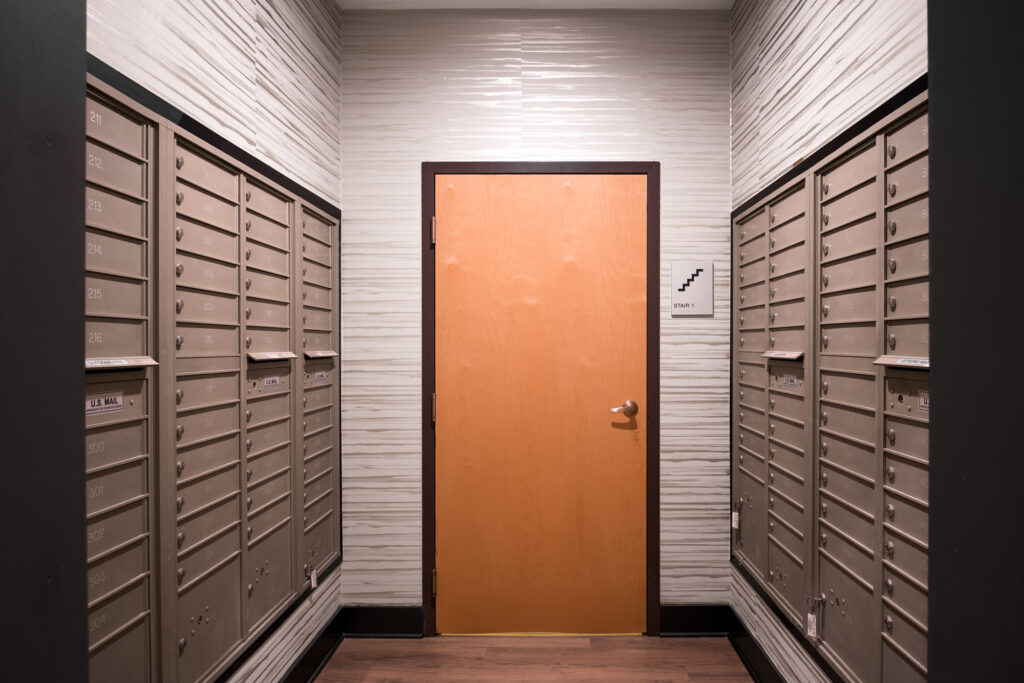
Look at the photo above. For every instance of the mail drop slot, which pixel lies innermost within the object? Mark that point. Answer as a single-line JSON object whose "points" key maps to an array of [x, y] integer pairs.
{"points": [[199, 425], [212, 522], [907, 220], [855, 206], [201, 171], [316, 443], [319, 342], [107, 445], [790, 314], [907, 259], [266, 286], [906, 515], [114, 254], [751, 340], [201, 559], [268, 232], [316, 465], [269, 572], [787, 339], [112, 295], [793, 286], [857, 168], [906, 436], [320, 297], [852, 339], [848, 387], [260, 339], [315, 251], [841, 515], [270, 313], [857, 271], [271, 379], [316, 228], [202, 491], [266, 202], [193, 341], [192, 462], [856, 557], [266, 258], [117, 610], [114, 128], [907, 397], [856, 422], [111, 338], [752, 251], [112, 212], [905, 594], [786, 405], [115, 171], [205, 241], [118, 401], [268, 519], [268, 436], [855, 490], [267, 491], [852, 305], [907, 298], [315, 319], [856, 457], [751, 225], [906, 141], [749, 273], [194, 271], [787, 234], [116, 527], [907, 181], [746, 318], [788, 207], [789, 260], [206, 307], [269, 408], [109, 487], [261, 466], [209, 617], [205, 207], [851, 239], [318, 487], [907, 337], [113, 571], [906, 555]]}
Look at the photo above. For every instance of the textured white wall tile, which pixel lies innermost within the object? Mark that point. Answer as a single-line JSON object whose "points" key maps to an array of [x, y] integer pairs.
{"points": [[261, 73], [513, 86]]}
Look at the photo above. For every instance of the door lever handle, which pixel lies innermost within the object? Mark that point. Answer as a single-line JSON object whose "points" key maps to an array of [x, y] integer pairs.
{"points": [[628, 408]]}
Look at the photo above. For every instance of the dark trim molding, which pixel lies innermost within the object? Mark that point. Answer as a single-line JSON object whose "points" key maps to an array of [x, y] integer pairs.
{"points": [[652, 169], [358, 621], [151, 101]]}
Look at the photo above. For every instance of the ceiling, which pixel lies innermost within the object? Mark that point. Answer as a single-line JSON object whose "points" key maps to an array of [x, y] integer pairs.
{"points": [[534, 4]]}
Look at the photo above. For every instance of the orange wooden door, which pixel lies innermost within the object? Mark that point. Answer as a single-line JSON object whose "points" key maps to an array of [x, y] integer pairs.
{"points": [[541, 287]]}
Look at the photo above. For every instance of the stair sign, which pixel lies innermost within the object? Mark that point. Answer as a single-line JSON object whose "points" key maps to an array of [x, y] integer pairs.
{"points": [[693, 291]]}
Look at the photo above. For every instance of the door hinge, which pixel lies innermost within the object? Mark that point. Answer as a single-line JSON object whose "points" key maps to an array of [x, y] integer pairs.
{"points": [[433, 229], [433, 582], [433, 407]]}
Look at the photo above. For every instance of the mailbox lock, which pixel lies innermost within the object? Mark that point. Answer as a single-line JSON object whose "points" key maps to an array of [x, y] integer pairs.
{"points": [[741, 395], [771, 404], [824, 417], [824, 219], [892, 435], [179, 430], [248, 474], [741, 341], [771, 342], [248, 313], [304, 403], [771, 429], [824, 279], [179, 198], [892, 227], [180, 502], [892, 303], [887, 622], [890, 548], [824, 341], [771, 574], [892, 189], [890, 472], [248, 283], [248, 502], [248, 342], [178, 395], [824, 508], [742, 277], [823, 540], [742, 319], [303, 342], [248, 531], [741, 458], [248, 444], [771, 526], [181, 645], [248, 195], [743, 234], [771, 453], [178, 305], [892, 264], [771, 477], [824, 386], [248, 254], [824, 479], [249, 588], [771, 316], [306, 495], [179, 466], [890, 510], [892, 341], [181, 575], [179, 269], [303, 247], [771, 267], [824, 448], [888, 586], [248, 415], [825, 310], [824, 188], [178, 233], [181, 539], [824, 249], [304, 295], [179, 162], [178, 341], [303, 317], [771, 218], [741, 438], [248, 226], [892, 151], [771, 293]]}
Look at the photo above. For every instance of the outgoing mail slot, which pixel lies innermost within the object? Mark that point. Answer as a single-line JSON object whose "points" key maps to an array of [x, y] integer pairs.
{"points": [[749, 273], [907, 181], [113, 128], [267, 491], [317, 343], [192, 271], [114, 254], [265, 258], [905, 594], [907, 397], [907, 298], [268, 232], [315, 319], [754, 295], [267, 313], [266, 409], [907, 516], [203, 424], [195, 203], [269, 436], [321, 253], [315, 465], [787, 287], [271, 379], [848, 454], [199, 342], [314, 444], [911, 637], [907, 338], [210, 523], [907, 259], [117, 610], [752, 250], [208, 175], [787, 432], [199, 560], [853, 490], [203, 491], [909, 557], [266, 203], [111, 529], [205, 241], [317, 398], [841, 515], [746, 318], [269, 572], [260, 339], [107, 338], [110, 295], [906, 436], [855, 422], [850, 239], [119, 401], [112, 170], [853, 272], [217, 598], [267, 519], [316, 228], [317, 488], [266, 286], [857, 205], [908, 220], [786, 405], [752, 340], [848, 388], [788, 234], [787, 208], [192, 462], [114, 571], [857, 557], [856, 305], [898, 667], [848, 340], [206, 307], [787, 340], [113, 486], [117, 214], [107, 445], [857, 168], [789, 261], [907, 141], [266, 464]]}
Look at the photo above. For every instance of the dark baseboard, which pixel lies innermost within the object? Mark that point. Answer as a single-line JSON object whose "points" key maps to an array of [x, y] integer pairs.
{"points": [[316, 656], [382, 622]]}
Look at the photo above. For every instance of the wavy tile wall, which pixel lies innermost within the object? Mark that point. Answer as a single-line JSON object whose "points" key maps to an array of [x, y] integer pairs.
{"points": [[805, 70], [519, 85], [261, 73]]}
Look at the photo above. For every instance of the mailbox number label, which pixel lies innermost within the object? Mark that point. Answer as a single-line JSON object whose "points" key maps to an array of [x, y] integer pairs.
{"points": [[109, 403]]}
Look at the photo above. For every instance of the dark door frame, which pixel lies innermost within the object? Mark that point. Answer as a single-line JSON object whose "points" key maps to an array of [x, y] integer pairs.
{"points": [[652, 169]]}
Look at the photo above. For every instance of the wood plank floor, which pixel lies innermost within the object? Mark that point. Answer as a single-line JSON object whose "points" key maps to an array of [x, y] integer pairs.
{"points": [[619, 658]]}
